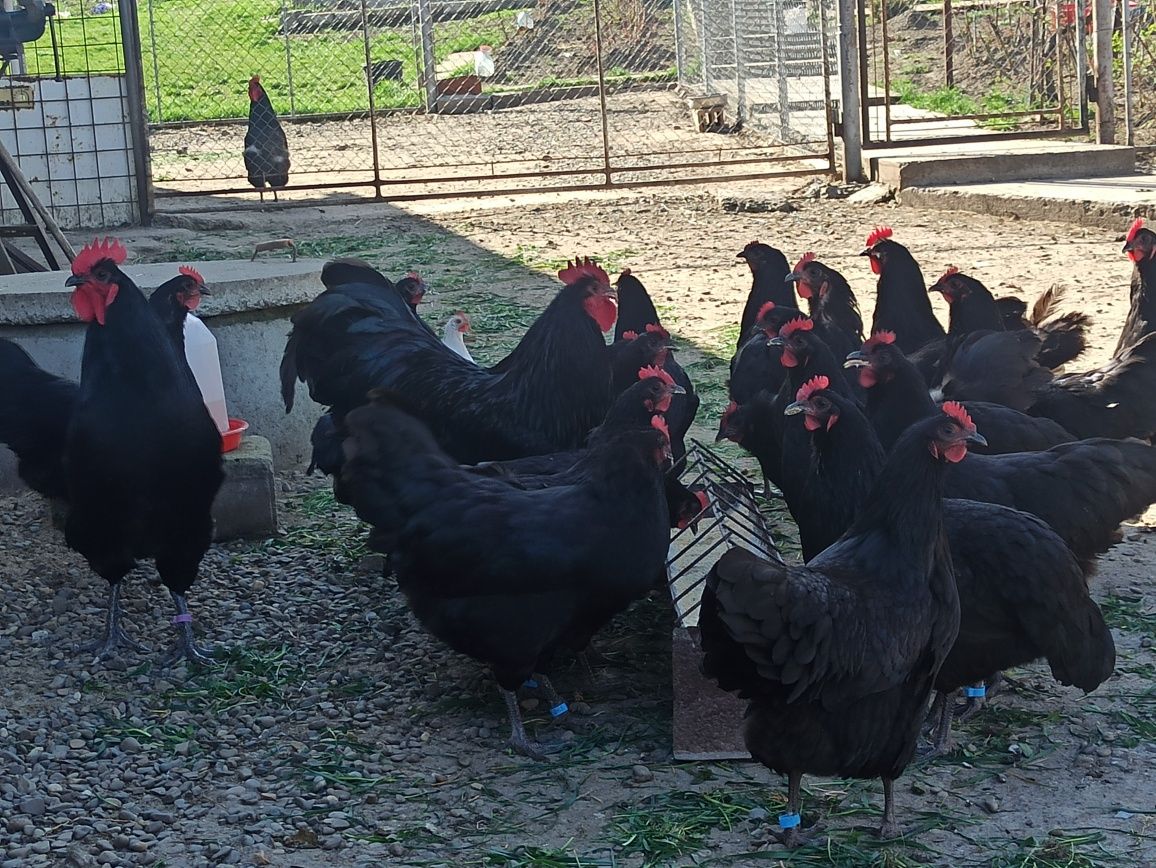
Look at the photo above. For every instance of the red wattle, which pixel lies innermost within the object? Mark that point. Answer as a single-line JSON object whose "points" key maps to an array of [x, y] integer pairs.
{"points": [[867, 377], [789, 360]]}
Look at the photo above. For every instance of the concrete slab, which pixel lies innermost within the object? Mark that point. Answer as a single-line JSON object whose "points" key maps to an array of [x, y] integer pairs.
{"points": [[1106, 203], [986, 162], [246, 505]]}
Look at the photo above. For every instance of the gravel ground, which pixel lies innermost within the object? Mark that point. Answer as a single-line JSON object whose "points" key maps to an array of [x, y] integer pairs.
{"points": [[337, 733]]}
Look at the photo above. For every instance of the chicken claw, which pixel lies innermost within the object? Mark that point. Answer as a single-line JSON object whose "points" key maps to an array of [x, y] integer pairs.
{"points": [[186, 647], [519, 741], [114, 635]]}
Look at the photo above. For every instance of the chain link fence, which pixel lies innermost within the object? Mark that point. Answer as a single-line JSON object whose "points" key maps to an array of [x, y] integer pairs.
{"points": [[419, 97], [1134, 66], [66, 114], [940, 68]]}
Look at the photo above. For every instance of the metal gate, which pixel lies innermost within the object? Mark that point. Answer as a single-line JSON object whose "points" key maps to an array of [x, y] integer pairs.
{"points": [[972, 69], [423, 98]]}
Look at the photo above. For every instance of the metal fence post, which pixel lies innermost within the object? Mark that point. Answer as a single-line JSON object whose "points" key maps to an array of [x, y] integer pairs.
{"points": [[288, 63], [849, 87], [679, 43], [707, 78], [1081, 61], [1129, 132], [778, 23], [740, 69], [137, 117], [602, 92], [1103, 23], [428, 64]]}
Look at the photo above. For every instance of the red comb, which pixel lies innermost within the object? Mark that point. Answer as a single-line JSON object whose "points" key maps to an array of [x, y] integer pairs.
{"points": [[629, 335], [951, 269], [625, 272], [878, 235], [703, 500], [812, 386], [655, 371], [880, 337], [798, 324], [189, 271], [959, 413], [579, 268], [413, 275], [659, 424], [802, 263], [1136, 226], [764, 310], [655, 329], [95, 251]]}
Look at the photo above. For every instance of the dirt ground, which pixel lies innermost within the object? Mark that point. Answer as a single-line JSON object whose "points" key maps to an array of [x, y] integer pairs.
{"points": [[338, 733]]}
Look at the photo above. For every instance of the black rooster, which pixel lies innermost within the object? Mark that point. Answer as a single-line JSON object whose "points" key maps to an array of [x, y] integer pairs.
{"points": [[769, 270], [1140, 245], [142, 458], [266, 148]]}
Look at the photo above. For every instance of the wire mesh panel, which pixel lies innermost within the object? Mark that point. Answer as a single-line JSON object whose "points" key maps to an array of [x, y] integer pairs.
{"points": [[938, 68], [430, 97], [1135, 66], [65, 116]]}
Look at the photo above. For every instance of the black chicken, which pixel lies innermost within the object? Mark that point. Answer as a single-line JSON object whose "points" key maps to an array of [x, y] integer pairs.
{"points": [[174, 300], [973, 308], [769, 270], [504, 575], [897, 396], [637, 315], [757, 366], [832, 304], [1140, 245], [1022, 594], [36, 408], [901, 303], [142, 457], [266, 148], [544, 397], [838, 658]]}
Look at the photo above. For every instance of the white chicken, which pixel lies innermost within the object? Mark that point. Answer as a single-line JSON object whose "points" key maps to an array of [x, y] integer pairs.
{"points": [[454, 334]]}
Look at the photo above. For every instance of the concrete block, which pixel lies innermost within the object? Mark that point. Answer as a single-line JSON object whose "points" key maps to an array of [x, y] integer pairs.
{"points": [[940, 166], [246, 505]]}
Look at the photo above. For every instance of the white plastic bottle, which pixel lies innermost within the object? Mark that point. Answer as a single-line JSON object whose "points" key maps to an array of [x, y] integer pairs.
{"points": [[205, 363]]}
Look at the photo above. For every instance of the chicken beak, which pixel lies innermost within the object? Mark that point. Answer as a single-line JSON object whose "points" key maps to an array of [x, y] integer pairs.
{"points": [[741, 255], [793, 277], [856, 359], [676, 389], [776, 341], [203, 290], [976, 438], [795, 408], [866, 251], [1129, 247], [75, 280]]}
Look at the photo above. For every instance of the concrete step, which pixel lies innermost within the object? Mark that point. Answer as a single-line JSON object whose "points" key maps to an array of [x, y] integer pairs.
{"points": [[1106, 203], [998, 161]]}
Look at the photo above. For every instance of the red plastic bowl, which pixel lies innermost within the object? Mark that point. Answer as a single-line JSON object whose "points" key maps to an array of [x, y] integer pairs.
{"points": [[231, 439]]}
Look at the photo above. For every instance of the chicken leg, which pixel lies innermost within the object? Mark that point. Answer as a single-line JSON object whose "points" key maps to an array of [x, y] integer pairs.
{"points": [[519, 741], [186, 647], [114, 635], [558, 706], [890, 829], [942, 714], [790, 834]]}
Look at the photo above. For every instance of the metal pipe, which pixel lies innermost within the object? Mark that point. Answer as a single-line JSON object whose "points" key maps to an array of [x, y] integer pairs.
{"points": [[850, 84], [288, 63], [1129, 131], [602, 90], [886, 71], [428, 63], [137, 114], [679, 42], [372, 101], [948, 46], [1081, 61]]}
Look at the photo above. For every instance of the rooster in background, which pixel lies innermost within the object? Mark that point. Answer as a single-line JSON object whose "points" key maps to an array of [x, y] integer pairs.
{"points": [[175, 299], [266, 148], [1140, 245], [769, 270], [901, 303], [545, 396]]}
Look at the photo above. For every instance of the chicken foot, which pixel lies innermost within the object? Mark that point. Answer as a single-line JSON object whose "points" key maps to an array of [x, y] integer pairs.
{"points": [[519, 741], [186, 647], [114, 635], [976, 701], [790, 822]]}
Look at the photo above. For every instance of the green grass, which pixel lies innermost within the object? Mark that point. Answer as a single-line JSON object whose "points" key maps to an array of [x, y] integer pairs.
{"points": [[1128, 613], [325, 526], [1059, 849], [257, 676], [953, 102]]}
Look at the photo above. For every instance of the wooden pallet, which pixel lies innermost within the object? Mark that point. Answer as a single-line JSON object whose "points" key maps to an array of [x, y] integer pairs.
{"points": [[38, 225]]}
